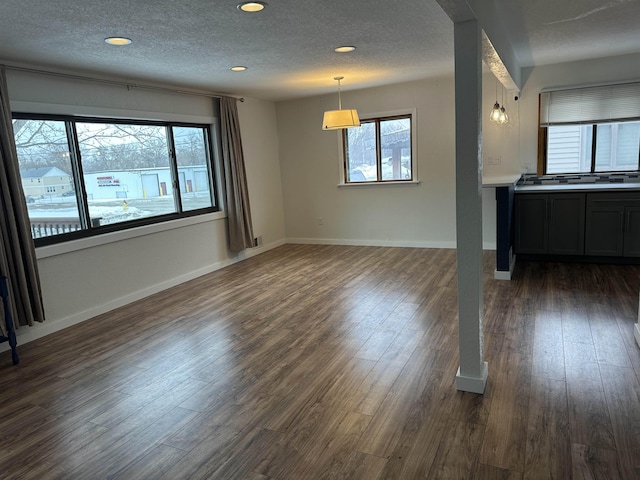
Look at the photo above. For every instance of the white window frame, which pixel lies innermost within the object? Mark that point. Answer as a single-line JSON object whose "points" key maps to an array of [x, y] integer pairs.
{"points": [[414, 151], [591, 166], [591, 105]]}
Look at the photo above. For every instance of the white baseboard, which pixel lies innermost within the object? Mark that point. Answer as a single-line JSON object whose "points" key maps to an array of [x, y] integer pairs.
{"points": [[370, 243], [27, 334], [502, 275], [380, 243]]}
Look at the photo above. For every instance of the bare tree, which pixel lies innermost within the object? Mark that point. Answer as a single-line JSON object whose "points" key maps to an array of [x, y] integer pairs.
{"points": [[104, 147], [41, 144]]}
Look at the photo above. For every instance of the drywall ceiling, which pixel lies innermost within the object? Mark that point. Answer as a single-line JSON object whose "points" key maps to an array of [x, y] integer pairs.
{"points": [[555, 31], [288, 47]]}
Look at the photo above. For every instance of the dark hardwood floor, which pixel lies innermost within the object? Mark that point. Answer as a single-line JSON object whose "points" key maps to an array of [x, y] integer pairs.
{"points": [[331, 362]]}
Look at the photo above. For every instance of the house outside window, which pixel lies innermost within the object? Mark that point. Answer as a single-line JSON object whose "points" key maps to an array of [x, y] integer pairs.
{"points": [[570, 148]]}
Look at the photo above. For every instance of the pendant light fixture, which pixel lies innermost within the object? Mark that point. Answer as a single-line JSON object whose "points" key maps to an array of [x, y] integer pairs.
{"points": [[495, 113], [494, 116], [337, 119], [503, 118], [498, 113]]}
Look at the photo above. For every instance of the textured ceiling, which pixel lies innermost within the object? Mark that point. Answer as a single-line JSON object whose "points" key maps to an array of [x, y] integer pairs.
{"points": [[554, 31], [288, 47]]}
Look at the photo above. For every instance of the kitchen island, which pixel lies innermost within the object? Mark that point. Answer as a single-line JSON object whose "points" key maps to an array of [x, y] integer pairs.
{"points": [[505, 188]]}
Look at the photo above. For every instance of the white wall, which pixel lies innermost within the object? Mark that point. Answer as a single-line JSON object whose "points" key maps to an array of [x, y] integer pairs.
{"points": [[414, 215], [261, 149], [500, 149], [87, 277], [422, 215], [419, 215], [500, 143]]}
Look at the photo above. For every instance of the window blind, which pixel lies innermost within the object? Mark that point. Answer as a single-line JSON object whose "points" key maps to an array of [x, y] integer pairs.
{"points": [[609, 103]]}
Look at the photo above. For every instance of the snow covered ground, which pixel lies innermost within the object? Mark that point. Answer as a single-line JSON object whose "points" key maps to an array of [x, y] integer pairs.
{"points": [[109, 211]]}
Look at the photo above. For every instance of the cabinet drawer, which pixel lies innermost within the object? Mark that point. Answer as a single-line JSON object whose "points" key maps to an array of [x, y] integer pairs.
{"points": [[601, 199]]}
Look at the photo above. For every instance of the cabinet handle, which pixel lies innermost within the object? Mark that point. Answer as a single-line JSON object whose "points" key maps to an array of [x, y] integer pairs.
{"points": [[627, 223], [547, 210]]}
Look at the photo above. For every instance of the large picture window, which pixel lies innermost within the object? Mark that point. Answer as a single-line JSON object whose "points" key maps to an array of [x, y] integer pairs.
{"points": [[590, 130], [83, 177], [381, 150]]}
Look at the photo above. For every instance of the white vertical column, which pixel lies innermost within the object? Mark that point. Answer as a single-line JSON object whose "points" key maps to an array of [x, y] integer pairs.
{"points": [[473, 372]]}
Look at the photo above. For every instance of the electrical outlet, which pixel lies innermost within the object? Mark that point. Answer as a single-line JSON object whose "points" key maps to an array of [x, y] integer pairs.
{"points": [[257, 241], [320, 221], [494, 160]]}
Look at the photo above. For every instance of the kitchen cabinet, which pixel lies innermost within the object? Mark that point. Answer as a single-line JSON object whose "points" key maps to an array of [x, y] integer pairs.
{"points": [[531, 225], [550, 223], [613, 224], [632, 232], [604, 231]]}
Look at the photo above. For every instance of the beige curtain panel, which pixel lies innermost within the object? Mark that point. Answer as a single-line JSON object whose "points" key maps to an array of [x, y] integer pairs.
{"points": [[236, 190], [17, 253]]}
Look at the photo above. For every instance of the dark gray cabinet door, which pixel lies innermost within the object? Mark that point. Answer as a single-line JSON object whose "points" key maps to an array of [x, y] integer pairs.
{"points": [[566, 224], [531, 225], [632, 232], [604, 234]]}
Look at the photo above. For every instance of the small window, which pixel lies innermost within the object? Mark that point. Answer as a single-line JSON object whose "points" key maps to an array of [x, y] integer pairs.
{"points": [[381, 150], [569, 149], [126, 171], [617, 147], [192, 157]]}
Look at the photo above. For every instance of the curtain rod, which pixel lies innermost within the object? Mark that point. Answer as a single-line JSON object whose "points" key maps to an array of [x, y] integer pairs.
{"points": [[119, 83]]}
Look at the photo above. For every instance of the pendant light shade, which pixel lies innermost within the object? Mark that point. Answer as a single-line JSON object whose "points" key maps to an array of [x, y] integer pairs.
{"points": [[495, 113], [338, 119], [503, 118]]}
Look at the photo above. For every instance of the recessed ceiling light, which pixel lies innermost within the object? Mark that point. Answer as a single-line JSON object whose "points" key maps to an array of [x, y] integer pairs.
{"points": [[345, 49], [252, 7], [238, 68], [118, 41]]}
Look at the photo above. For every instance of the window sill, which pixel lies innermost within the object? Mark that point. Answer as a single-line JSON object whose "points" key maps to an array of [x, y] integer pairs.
{"points": [[411, 183], [95, 241]]}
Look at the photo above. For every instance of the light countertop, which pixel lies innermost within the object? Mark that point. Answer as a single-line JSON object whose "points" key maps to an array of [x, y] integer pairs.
{"points": [[501, 180]]}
